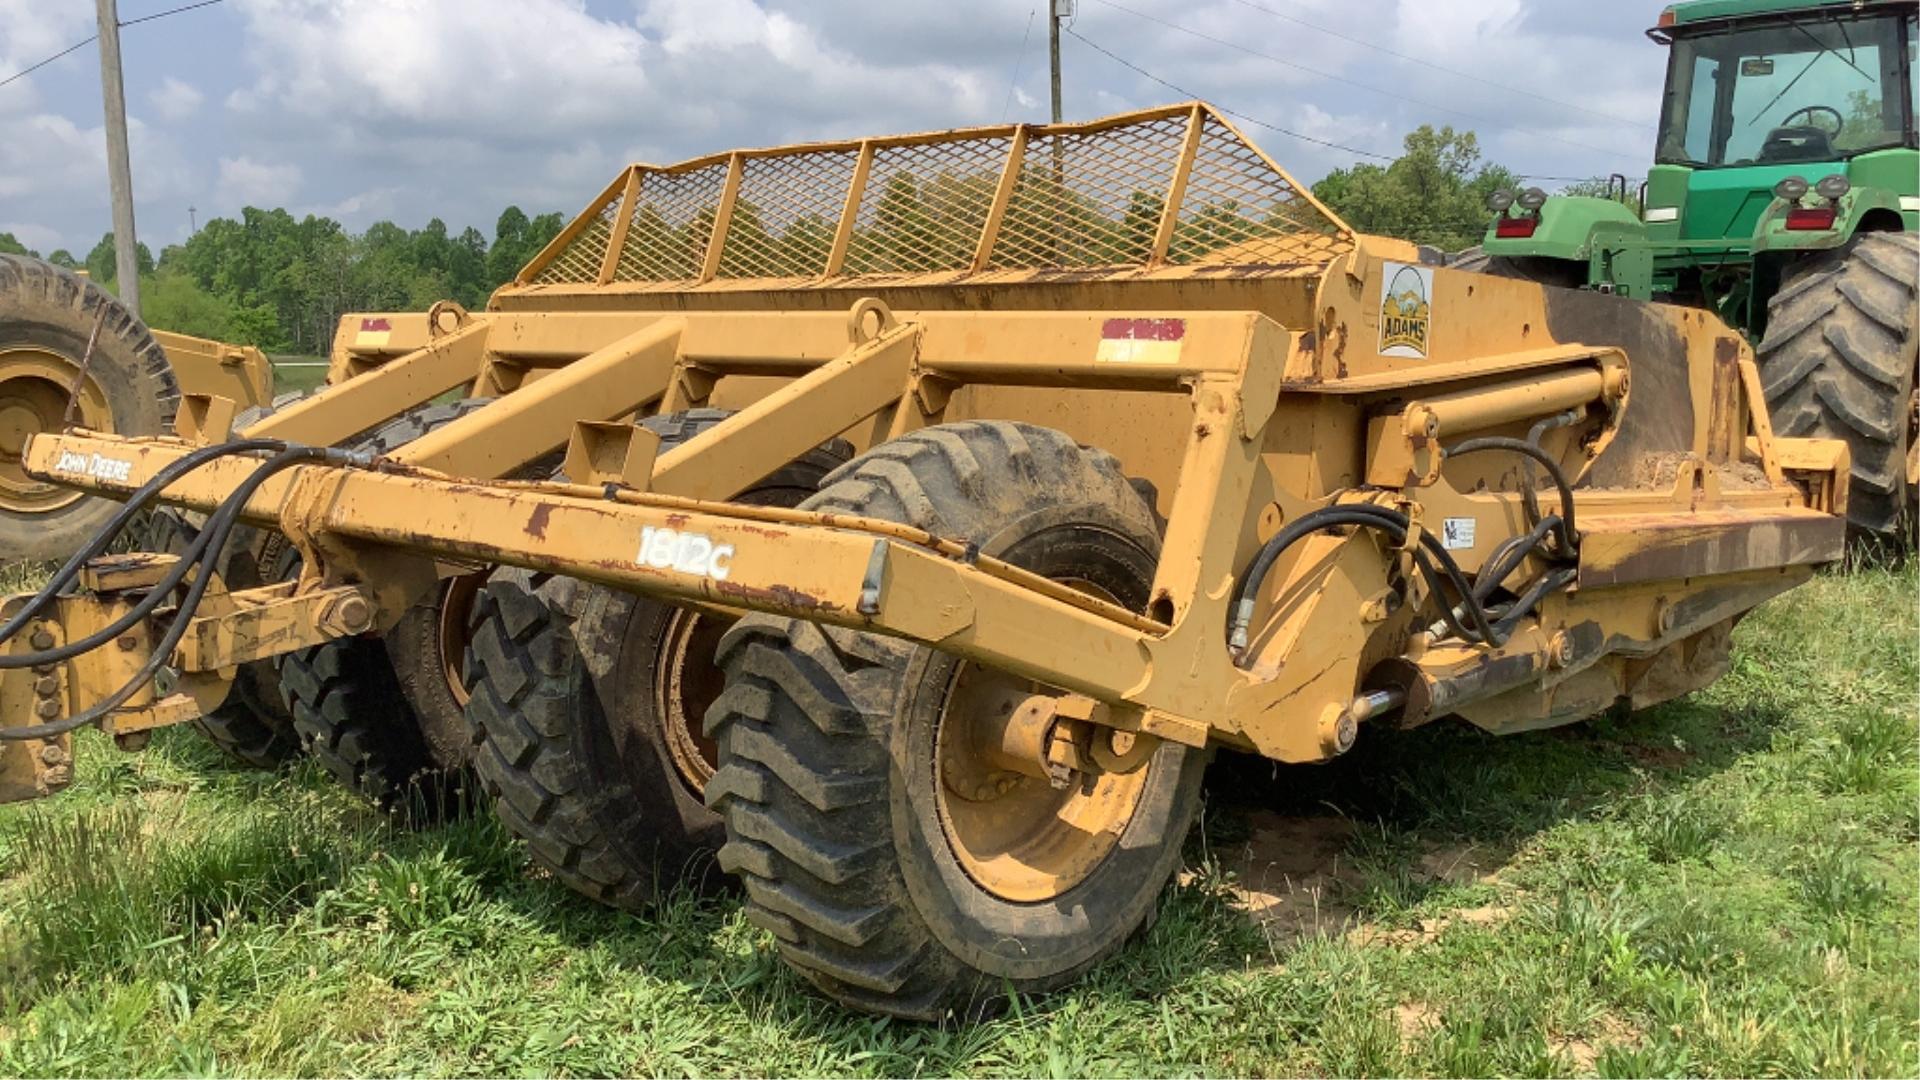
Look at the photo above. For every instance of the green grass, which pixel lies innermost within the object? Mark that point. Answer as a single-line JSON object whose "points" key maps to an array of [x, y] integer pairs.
{"points": [[1725, 885], [287, 377]]}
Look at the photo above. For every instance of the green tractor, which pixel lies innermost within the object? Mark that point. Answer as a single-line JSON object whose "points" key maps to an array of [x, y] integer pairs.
{"points": [[1785, 196]]}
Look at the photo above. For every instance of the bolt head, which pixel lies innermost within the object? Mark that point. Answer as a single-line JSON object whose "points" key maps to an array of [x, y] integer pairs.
{"points": [[41, 639], [128, 643], [46, 685], [47, 710], [54, 754], [1345, 732]]}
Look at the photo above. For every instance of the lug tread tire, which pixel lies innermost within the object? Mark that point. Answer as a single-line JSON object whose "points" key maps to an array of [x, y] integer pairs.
{"points": [[45, 307], [522, 674], [804, 732], [350, 706], [1838, 361]]}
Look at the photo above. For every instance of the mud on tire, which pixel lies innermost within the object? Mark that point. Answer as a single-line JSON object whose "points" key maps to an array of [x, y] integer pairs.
{"points": [[828, 781], [586, 705], [1838, 362]]}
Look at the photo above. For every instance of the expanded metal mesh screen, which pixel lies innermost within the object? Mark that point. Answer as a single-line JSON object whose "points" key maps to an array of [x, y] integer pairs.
{"points": [[1085, 197]]}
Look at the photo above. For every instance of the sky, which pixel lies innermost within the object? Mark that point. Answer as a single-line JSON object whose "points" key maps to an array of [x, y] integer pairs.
{"points": [[405, 110]]}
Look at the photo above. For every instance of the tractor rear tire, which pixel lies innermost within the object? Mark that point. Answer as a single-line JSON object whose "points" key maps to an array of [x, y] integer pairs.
{"points": [[891, 879], [47, 316], [1838, 361], [1537, 269], [587, 705], [384, 715]]}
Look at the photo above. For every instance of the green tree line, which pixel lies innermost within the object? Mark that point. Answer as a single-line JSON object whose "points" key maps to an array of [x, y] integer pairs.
{"points": [[270, 279], [280, 282]]}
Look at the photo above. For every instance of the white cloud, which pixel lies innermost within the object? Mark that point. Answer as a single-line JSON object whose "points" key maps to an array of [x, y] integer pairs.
{"points": [[36, 237], [176, 100], [246, 182]]}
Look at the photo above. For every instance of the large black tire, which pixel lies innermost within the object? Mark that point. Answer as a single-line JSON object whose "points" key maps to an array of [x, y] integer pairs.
{"points": [[252, 725], [1838, 362], [827, 740], [46, 317], [1537, 269], [380, 714], [587, 702]]}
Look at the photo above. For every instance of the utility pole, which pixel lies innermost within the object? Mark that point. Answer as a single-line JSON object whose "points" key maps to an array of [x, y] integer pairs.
{"points": [[119, 165], [1057, 10]]}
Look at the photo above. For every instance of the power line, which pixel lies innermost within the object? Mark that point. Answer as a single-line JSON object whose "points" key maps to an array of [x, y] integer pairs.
{"points": [[1362, 42], [91, 38], [18, 75], [1019, 62], [1190, 95], [1258, 122], [1329, 76], [170, 11]]}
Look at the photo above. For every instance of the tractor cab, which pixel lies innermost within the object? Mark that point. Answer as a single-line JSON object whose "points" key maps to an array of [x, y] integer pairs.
{"points": [[1765, 100]]}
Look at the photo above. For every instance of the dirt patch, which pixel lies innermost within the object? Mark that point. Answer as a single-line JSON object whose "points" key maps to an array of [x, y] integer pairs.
{"points": [[1416, 1020], [1290, 873], [1428, 930], [1294, 877], [1583, 1051], [1461, 864]]}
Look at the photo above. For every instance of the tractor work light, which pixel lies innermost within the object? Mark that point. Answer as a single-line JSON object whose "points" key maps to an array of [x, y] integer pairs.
{"points": [[1833, 187], [1500, 200], [1792, 189], [1532, 199]]}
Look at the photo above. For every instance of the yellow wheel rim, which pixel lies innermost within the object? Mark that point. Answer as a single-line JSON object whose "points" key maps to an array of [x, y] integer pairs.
{"points": [[34, 385], [1017, 836], [684, 685]]}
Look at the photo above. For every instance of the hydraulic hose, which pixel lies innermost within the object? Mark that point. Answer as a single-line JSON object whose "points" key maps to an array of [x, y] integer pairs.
{"points": [[136, 502], [211, 543], [1569, 536], [1380, 518]]}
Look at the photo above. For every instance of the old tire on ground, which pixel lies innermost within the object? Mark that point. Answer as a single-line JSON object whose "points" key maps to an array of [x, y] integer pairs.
{"points": [[46, 317], [252, 725], [1838, 362], [587, 705], [885, 885], [383, 715]]}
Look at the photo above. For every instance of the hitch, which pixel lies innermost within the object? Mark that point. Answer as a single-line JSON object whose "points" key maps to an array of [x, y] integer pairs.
{"points": [[226, 630]]}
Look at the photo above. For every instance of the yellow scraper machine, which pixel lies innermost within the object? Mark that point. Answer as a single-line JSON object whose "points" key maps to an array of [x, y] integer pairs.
{"points": [[898, 524]]}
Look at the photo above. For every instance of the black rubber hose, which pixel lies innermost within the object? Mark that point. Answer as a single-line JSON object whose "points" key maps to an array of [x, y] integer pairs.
{"points": [[193, 556], [1395, 525], [218, 531], [1569, 535], [136, 502]]}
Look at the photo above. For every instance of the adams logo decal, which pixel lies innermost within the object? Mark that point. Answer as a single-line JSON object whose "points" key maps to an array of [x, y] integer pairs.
{"points": [[1406, 310]]}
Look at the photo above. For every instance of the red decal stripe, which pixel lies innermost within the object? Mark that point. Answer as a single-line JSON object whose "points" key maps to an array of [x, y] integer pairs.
{"points": [[1144, 329], [374, 326]]}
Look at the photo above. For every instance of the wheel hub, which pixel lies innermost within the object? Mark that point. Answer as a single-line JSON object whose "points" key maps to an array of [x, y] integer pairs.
{"points": [[34, 387], [1017, 835]]}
